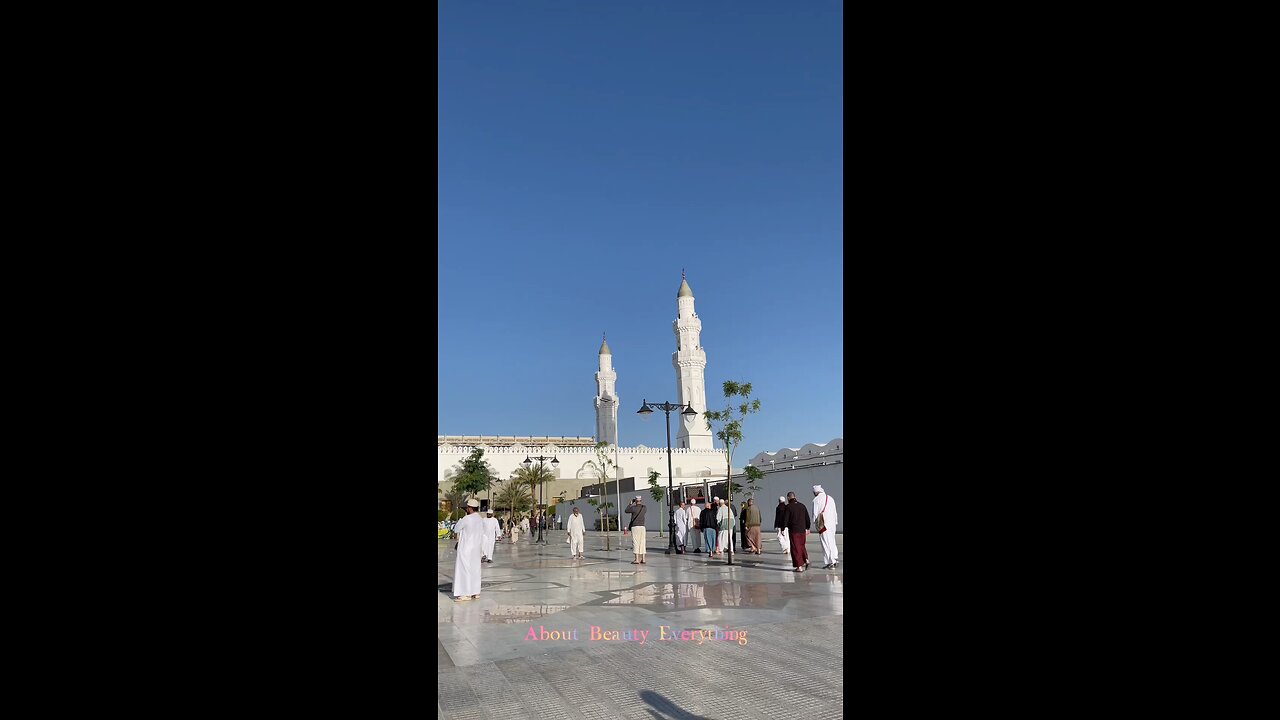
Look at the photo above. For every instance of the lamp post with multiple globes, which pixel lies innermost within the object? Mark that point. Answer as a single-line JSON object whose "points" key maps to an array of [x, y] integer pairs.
{"points": [[528, 463], [646, 409]]}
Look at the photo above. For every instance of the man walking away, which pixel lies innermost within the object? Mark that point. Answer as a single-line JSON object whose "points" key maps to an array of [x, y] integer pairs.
{"points": [[824, 518], [682, 527], [466, 567], [708, 522], [576, 531], [780, 524], [798, 528], [491, 531], [636, 510], [751, 519]]}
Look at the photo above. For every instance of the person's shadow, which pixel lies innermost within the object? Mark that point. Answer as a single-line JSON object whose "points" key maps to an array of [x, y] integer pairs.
{"points": [[664, 709]]}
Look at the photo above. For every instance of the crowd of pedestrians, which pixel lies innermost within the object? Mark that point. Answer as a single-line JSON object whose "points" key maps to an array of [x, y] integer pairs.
{"points": [[709, 530]]}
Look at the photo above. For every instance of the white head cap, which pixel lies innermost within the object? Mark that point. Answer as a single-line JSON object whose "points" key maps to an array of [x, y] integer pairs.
{"points": [[473, 503], [782, 498], [817, 488]]}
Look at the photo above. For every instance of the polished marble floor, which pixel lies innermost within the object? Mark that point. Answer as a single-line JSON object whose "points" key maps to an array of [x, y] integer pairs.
{"points": [[540, 640]]}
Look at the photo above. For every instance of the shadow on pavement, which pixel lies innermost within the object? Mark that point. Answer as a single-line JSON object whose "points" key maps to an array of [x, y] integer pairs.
{"points": [[664, 709]]}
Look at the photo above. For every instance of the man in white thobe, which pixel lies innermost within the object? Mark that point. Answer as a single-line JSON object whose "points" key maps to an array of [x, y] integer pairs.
{"points": [[694, 533], [466, 568], [491, 531], [724, 524], [682, 527], [824, 517], [779, 521], [576, 530]]}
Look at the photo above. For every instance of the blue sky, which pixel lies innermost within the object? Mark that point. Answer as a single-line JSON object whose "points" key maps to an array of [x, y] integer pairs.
{"points": [[588, 151]]}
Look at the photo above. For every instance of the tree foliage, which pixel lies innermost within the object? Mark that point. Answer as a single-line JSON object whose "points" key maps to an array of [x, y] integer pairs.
{"points": [[601, 465], [655, 489], [514, 498], [456, 499], [475, 476], [754, 476], [533, 477], [730, 421]]}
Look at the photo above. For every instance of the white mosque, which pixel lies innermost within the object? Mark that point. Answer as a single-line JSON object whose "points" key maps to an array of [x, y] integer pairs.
{"points": [[693, 456]]}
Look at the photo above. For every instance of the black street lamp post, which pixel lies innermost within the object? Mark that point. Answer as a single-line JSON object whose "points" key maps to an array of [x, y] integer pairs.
{"points": [[528, 463], [646, 409]]}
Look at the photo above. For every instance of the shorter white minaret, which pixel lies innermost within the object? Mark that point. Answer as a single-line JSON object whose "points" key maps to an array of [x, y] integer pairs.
{"points": [[606, 397]]}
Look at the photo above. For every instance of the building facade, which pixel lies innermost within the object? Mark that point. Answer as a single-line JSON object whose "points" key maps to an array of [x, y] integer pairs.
{"points": [[693, 455], [787, 470]]}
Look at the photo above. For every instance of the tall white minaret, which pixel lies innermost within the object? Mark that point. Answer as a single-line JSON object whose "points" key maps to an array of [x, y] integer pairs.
{"points": [[689, 361], [606, 398]]}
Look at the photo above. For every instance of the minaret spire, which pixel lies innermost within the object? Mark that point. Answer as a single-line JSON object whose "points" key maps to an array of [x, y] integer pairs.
{"points": [[689, 362], [606, 400]]}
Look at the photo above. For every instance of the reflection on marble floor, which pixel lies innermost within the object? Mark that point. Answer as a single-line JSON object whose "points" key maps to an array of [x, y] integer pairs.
{"points": [[684, 596], [511, 614]]}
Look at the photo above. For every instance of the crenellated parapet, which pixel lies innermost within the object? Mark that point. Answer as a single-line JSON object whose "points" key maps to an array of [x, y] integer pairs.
{"points": [[809, 452], [578, 465], [561, 450]]}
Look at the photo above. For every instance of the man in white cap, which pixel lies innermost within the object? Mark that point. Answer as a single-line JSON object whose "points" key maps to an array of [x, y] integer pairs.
{"points": [[636, 510], [780, 522], [466, 567], [824, 518], [491, 531], [576, 530]]}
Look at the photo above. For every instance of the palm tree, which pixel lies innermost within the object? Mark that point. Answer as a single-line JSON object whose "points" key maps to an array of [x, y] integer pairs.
{"points": [[514, 497], [456, 499], [533, 477]]}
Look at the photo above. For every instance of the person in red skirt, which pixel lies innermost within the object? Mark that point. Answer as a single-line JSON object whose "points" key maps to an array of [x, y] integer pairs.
{"points": [[797, 523]]}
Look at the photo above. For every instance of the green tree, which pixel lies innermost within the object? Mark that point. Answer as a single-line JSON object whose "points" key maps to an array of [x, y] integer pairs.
{"points": [[730, 433], [601, 465], [475, 476], [456, 499], [754, 476], [657, 491]]}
